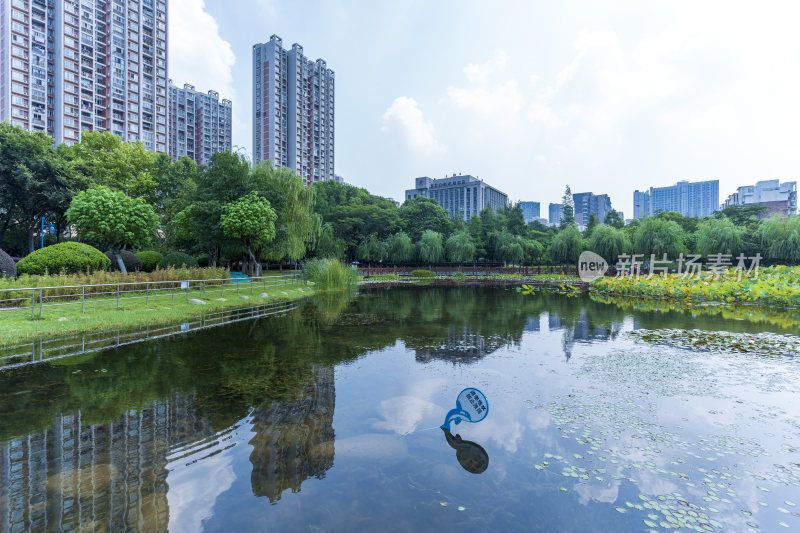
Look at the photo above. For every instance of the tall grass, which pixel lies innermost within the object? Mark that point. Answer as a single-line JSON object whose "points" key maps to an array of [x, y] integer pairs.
{"points": [[330, 274], [16, 299]]}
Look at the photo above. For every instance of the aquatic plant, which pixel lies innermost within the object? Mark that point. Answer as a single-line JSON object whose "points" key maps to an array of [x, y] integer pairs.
{"points": [[330, 273], [777, 285]]}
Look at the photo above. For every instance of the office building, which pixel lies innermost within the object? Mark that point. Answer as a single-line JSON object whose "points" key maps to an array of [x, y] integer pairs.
{"points": [[641, 204], [460, 195], [530, 211], [68, 66], [556, 213], [588, 204], [691, 199], [199, 123], [293, 110], [779, 198]]}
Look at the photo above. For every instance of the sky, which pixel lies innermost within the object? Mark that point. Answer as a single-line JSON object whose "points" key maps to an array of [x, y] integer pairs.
{"points": [[530, 96]]}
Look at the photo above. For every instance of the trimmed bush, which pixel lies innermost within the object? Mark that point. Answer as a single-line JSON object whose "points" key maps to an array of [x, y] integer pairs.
{"points": [[425, 274], [330, 273], [177, 260], [129, 259], [150, 259], [8, 268], [203, 260], [459, 277], [65, 257]]}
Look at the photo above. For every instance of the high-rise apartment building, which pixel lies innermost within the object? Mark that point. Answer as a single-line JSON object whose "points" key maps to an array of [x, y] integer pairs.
{"points": [[200, 125], [530, 211], [779, 198], [293, 110], [68, 66], [691, 199], [461, 196], [588, 204]]}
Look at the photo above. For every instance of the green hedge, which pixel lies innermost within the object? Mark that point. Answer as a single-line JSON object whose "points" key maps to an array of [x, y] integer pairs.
{"points": [[150, 259], [65, 257], [129, 259], [427, 274], [177, 260], [8, 268]]}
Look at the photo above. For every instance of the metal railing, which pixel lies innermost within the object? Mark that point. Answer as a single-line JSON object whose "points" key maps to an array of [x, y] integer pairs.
{"points": [[42, 350], [113, 294]]}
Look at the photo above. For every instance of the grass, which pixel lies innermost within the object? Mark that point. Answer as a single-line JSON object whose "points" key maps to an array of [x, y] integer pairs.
{"points": [[16, 326], [330, 274]]}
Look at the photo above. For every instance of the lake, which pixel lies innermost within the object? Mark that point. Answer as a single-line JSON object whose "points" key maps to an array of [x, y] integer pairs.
{"points": [[326, 417]]}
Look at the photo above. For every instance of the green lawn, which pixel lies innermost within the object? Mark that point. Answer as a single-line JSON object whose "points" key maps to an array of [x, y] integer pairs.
{"points": [[16, 326]]}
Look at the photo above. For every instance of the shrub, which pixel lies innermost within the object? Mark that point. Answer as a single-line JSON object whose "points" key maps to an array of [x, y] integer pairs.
{"points": [[8, 268], [150, 259], [425, 274], [66, 257], [330, 273], [459, 276], [129, 259], [203, 260], [177, 260]]}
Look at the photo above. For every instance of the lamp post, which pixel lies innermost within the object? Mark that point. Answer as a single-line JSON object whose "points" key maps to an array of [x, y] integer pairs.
{"points": [[49, 227]]}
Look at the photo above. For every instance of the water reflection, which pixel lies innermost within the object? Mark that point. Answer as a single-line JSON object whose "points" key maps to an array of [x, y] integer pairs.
{"points": [[257, 412], [294, 440], [471, 456]]}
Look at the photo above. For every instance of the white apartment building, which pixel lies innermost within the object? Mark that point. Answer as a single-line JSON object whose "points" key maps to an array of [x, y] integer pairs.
{"points": [[68, 66], [779, 197], [200, 125], [293, 110]]}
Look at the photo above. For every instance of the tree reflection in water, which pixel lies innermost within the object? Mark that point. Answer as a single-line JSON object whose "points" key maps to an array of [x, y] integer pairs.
{"points": [[91, 422]]}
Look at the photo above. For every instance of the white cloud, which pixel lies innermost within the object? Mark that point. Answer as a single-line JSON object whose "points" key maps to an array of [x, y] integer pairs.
{"points": [[482, 72], [198, 55], [417, 131], [501, 100]]}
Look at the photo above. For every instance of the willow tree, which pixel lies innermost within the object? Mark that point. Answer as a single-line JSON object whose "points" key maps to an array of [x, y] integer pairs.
{"points": [[719, 236], [460, 248], [297, 226]]}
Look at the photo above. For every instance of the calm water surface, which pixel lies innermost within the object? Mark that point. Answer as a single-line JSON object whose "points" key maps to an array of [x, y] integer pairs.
{"points": [[326, 419]]}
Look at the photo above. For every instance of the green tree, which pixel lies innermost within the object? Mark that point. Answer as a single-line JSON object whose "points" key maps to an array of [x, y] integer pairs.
{"points": [[609, 243], [113, 218], [328, 244], [718, 236], [509, 248], [614, 219], [591, 225], [568, 208], [401, 249], [372, 249], [34, 181], [298, 226], [656, 235], [742, 215], [533, 250], [250, 219], [566, 246], [430, 247], [780, 238], [459, 247], [421, 214]]}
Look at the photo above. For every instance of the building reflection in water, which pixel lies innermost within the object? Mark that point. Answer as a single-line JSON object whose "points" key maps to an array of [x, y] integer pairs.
{"points": [[113, 476], [461, 345], [108, 476], [294, 439]]}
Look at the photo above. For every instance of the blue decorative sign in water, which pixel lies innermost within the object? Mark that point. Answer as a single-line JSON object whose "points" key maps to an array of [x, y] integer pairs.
{"points": [[471, 405]]}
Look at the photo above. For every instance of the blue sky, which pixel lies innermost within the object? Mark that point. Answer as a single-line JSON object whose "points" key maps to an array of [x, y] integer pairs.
{"points": [[604, 96]]}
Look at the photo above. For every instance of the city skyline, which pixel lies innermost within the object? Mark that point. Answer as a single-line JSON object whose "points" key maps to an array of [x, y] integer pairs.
{"points": [[564, 94]]}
